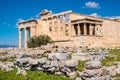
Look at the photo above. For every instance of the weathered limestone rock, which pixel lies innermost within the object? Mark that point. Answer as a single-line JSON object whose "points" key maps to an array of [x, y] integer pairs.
{"points": [[61, 64], [51, 56], [72, 75], [40, 69], [33, 62], [52, 69], [91, 73], [42, 60], [23, 60], [57, 63], [82, 56], [78, 78], [59, 73], [62, 56], [54, 64], [112, 70], [46, 65], [21, 71], [21, 55], [66, 70], [71, 63], [93, 65]]}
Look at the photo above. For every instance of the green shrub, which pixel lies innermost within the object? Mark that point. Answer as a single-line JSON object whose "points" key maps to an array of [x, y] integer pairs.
{"points": [[37, 41]]}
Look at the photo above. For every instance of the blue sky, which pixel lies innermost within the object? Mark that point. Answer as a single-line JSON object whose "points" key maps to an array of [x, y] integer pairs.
{"points": [[11, 11]]}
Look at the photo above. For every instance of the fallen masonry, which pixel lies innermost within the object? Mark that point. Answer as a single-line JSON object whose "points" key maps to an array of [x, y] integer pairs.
{"points": [[61, 63]]}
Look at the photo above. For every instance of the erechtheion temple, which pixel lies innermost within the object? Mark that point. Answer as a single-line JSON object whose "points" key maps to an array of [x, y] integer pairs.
{"points": [[72, 29]]}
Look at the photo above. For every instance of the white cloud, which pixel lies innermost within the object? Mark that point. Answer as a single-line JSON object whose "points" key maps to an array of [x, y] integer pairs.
{"points": [[107, 17], [112, 17], [92, 5], [95, 15], [20, 19]]}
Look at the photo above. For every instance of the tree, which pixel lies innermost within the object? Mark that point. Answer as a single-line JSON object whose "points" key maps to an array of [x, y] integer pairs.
{"points": [[37, 41]]}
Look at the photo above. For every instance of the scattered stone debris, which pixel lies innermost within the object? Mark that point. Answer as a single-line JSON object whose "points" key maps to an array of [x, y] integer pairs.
{"points": [[62, 62]]}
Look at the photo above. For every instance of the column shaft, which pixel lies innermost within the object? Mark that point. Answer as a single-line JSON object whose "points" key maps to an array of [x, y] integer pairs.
{"points": [[20, 38], [85, 29], [26, 38]]}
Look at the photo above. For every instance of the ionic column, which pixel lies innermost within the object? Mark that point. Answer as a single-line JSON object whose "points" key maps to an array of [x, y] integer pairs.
{"points": [[20, 38], [85, 29], [26, 38]]}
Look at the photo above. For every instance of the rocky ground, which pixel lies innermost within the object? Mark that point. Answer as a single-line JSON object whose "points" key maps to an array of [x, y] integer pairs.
{"points": [[62, 61]]}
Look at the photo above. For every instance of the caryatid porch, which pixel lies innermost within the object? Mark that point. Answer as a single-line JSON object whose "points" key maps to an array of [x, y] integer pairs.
{"points": [[87, 27]]}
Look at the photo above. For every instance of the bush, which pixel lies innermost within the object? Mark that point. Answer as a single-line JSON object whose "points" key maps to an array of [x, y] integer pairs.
{"points": [[37, 41]]}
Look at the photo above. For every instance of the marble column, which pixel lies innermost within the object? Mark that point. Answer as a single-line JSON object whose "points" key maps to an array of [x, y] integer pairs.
{"points": [[26, 38], [20, 38], [85, 29]]}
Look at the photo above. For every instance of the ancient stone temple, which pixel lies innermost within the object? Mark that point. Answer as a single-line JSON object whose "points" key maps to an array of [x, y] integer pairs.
{"points": [[72, 29]]}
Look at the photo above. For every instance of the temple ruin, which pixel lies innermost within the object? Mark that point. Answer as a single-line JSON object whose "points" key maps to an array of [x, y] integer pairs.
{"points": [[72, 29]]}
